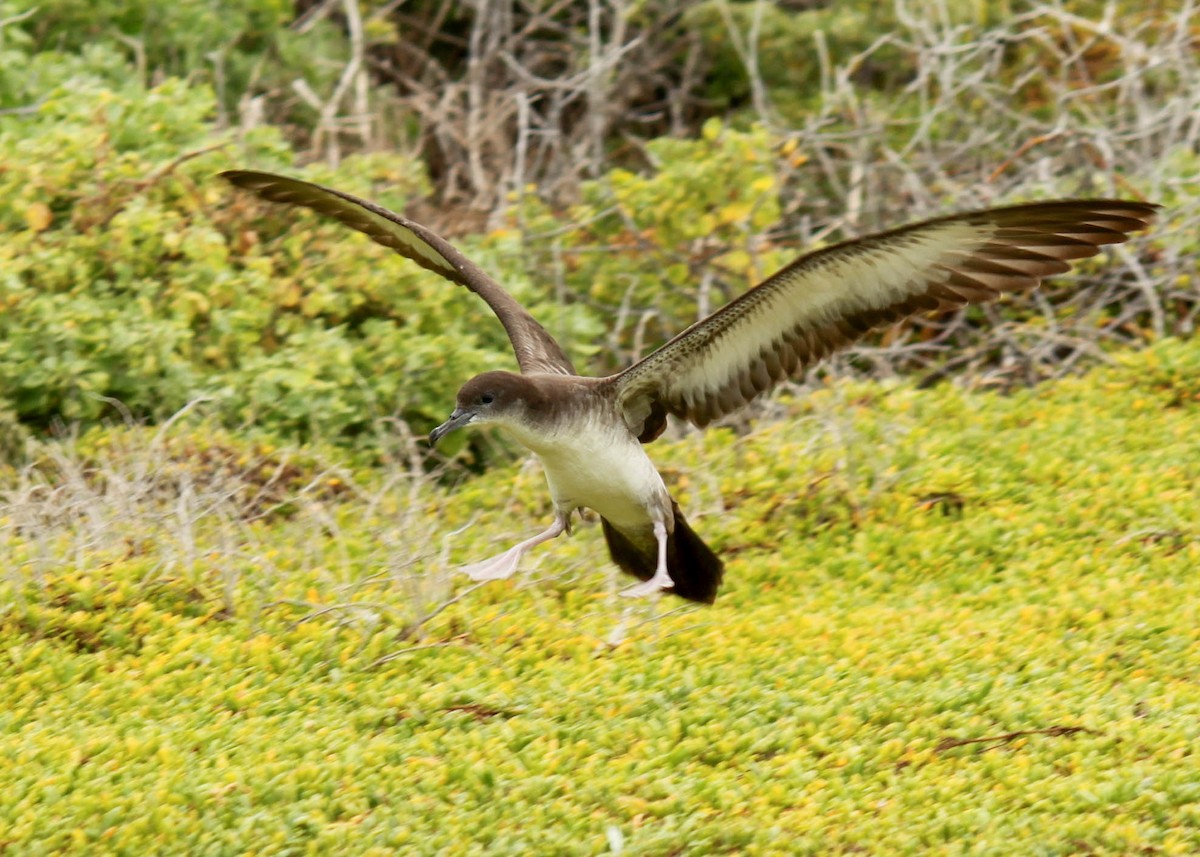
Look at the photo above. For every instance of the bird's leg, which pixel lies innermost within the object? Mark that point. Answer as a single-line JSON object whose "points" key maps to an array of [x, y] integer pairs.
{"points": [[502, 566], [662, 579]]}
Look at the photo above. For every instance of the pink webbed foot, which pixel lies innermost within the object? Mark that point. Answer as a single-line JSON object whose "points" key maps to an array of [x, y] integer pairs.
{"points": [[649, 587], [502, 566], [662, 578]]}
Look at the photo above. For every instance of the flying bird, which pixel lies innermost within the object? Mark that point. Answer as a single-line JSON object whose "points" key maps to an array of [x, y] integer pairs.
{"points": [[589, 432]]}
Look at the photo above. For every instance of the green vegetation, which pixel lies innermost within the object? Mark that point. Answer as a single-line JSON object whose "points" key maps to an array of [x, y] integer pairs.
{"points": [[958, 620], [129, 274], [909, 570]]}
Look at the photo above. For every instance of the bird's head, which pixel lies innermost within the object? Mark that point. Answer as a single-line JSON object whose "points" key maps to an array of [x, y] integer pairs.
{"points": [[493, 397]]}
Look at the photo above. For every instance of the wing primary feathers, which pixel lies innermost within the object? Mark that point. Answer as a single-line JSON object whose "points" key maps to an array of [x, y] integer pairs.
{"points": [[830, 297], [536, 350]]}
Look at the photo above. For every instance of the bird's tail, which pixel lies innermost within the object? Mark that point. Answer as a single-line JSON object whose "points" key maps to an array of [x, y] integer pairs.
{"points": [[693, 566]]}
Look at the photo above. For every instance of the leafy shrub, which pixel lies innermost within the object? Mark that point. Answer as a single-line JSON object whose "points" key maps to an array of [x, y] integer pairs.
{"points": [[131, 273], [238, 49], [654, 250], [127, 272]]}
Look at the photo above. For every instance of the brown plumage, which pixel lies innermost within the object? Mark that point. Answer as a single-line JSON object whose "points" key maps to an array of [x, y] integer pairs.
{"points": [[536, 350], [588, 431], [832, 296]]}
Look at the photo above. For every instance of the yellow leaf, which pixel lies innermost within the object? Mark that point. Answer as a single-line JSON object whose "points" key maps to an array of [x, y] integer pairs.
{"points": [[290, 296], [736, 211], [198, 300], [39, 217]]}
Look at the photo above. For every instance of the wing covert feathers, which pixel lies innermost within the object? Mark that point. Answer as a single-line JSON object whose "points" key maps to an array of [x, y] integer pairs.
{"points": [[829, 298]]}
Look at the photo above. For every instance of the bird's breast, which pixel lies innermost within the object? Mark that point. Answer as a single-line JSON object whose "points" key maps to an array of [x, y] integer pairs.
{"points": [[604, 468]]}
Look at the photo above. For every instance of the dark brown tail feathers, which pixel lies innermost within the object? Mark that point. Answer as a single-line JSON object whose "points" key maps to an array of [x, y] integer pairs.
{"points": [[695, 569]]}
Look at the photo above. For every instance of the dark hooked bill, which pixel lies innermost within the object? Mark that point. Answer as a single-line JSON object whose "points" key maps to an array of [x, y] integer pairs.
{"points": [[457, 420]]}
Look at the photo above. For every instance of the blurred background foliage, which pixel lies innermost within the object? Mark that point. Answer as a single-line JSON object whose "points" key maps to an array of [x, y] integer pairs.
{"points": [[624, 167]]}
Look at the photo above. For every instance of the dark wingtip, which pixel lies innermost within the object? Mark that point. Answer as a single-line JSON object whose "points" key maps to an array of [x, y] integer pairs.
{"points": [[237, 177]]}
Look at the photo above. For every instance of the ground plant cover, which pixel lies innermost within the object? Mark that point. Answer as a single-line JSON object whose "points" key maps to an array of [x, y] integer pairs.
{"points": [[961, 610], [955, 622]]}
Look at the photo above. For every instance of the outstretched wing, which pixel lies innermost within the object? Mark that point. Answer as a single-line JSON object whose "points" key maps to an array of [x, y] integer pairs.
{"points": [[831, 297], [536, 350]]}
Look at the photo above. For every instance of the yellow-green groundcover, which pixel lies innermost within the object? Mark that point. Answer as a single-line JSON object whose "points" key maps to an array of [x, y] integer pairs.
{"points": [[953, 623]]}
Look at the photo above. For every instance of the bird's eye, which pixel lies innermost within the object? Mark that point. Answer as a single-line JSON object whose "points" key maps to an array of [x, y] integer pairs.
{"points": [[487, 398]]}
